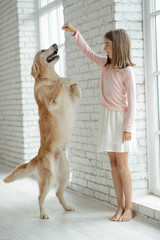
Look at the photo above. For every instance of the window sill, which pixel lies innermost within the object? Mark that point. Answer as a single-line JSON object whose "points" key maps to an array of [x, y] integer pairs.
{"points": [[147, 206]]}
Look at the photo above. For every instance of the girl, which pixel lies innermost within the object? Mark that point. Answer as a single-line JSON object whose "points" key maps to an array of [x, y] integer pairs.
{"points": [[116, 135]]}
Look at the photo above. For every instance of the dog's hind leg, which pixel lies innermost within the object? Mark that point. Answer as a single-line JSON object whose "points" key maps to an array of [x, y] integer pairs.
{"points": [[62, 174], [60, 196], [45, 178], [22, 171]]}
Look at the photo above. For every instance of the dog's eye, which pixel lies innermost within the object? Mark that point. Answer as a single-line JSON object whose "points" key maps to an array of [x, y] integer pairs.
{"points": [[42, 51]]}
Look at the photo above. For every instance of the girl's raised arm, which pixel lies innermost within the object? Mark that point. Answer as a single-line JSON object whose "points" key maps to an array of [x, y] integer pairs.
{"points": [[82, 44]]}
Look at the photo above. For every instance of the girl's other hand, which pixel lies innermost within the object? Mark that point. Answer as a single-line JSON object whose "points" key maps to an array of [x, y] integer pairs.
{"points": [[68, 27], [126, 136]]}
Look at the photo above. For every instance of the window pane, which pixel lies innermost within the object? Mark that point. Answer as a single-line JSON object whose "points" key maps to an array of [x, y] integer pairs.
{"points": [[157, 5], [51, 32], [60, 24], [49, 1], [53, 25], [158, 99], [59, 67], [158, 171], [44, 32], [158, 41], [43, 3]]}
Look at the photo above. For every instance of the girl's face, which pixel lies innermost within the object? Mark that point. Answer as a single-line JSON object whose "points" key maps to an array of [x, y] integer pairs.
{"points": [[108, 47]]}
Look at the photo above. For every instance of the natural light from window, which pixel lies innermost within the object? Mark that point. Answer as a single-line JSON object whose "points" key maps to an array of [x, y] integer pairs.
{"points": [[152, 78], [50, 22], [158, 41], [155, 12]]}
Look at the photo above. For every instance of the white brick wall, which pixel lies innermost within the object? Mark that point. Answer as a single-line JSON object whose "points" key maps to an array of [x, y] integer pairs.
{"points": [[91, 173], [19, 134], [130, 17], [18, 128], [27, 49], [11, 127]]}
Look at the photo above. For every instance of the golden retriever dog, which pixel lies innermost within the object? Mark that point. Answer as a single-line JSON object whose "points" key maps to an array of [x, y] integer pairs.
{"points": [[56, 98]]}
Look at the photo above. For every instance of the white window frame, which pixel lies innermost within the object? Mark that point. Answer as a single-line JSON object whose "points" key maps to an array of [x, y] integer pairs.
{"points": [[153, 134], [40, 11]]}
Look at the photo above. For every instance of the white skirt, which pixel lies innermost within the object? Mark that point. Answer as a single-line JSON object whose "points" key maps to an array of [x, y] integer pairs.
{"points": [[110, 133]]}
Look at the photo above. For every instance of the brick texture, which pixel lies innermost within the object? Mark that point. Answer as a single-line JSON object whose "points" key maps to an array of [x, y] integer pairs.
{"points": [[19, 134], [91, 174], [18, 128]]}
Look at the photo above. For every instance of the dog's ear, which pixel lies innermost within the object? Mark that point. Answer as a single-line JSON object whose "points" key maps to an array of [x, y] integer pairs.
{"points": [[34, 71]]}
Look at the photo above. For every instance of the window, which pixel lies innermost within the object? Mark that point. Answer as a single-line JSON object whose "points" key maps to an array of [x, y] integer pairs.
{"points": [[152, 70], [50, 19]]}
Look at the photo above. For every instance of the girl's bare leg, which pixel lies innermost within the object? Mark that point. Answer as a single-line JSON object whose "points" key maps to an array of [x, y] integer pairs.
{"points": [[117, 185], [122, 165]]}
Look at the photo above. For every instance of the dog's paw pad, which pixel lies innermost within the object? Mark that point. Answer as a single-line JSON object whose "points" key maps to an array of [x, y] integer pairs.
{"points": [[69, 208], [44, 216]]}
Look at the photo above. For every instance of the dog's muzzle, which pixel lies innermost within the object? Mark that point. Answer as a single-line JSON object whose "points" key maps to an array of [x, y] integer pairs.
{"points": [[53, 55]]}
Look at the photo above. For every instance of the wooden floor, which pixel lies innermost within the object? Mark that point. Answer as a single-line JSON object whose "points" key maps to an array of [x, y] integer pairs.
{"points": [[19, 217]]}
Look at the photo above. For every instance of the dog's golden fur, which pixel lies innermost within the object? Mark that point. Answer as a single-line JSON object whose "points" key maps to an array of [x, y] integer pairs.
{"points": [[55, 97]]}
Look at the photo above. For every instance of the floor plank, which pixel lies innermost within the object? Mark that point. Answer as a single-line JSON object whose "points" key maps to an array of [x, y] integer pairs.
{"points": [[20, 217]]}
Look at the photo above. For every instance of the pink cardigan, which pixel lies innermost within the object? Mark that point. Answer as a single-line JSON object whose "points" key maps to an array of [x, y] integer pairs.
{"points": [[117, 85]]}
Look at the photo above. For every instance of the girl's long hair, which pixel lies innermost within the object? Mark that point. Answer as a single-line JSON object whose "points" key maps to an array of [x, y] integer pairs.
{"points": [[121, 49]]}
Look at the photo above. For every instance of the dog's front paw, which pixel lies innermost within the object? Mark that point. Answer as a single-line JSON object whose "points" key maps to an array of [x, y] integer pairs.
{"points": [[76, 90], [44, 216], [71, 81], [68, 208]]}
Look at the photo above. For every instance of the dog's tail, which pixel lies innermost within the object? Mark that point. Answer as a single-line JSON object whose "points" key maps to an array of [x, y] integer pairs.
{"points": [[22, 171]]}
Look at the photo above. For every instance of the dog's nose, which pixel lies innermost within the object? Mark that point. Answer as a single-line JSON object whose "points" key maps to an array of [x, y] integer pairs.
{"points": [[55, 47]]}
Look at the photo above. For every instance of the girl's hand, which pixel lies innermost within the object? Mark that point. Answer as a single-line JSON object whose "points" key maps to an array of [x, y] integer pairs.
{"points": [[126, 136], [68, 27]]}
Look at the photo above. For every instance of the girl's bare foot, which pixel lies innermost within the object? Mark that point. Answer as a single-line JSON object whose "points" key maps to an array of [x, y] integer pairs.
{"points": [[117, 215], [127, 215]]}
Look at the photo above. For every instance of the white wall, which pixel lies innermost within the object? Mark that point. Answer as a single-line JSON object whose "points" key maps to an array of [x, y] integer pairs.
{"points": [[91, 173], [11, 115], [27, 48], [19, 134], [17, 105]]}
